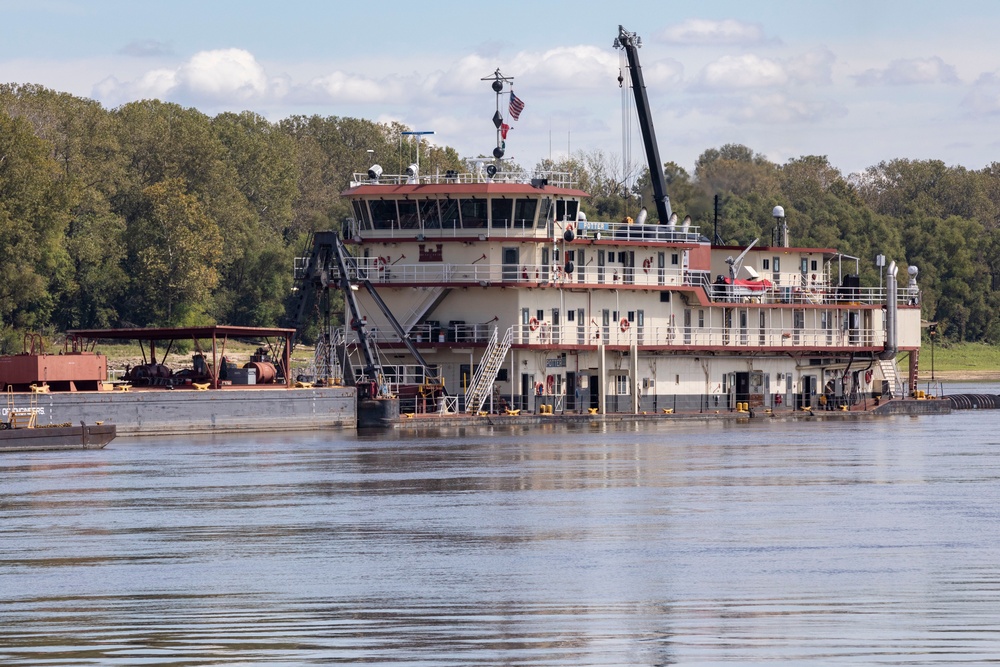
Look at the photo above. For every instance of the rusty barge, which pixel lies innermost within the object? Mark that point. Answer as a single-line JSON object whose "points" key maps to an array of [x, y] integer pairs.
{"points": [[210, 396]]}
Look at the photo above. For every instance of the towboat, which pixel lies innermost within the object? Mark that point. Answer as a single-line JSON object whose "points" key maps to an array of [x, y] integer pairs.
{"points": [[494, 284]]}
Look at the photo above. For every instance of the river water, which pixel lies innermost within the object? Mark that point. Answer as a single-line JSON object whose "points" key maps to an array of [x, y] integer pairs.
{"points": [[862, 542]]}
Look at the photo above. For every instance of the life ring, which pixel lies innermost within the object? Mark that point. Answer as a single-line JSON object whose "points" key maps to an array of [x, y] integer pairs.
{"points": [[569, 227], [557, 271], [624, 324], [646, 263], [533, 324], [868, 377], [380, 263], [550, 384]]}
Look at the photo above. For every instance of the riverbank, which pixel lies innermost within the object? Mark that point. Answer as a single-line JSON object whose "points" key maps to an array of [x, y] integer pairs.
{"points": [[992, 375]]}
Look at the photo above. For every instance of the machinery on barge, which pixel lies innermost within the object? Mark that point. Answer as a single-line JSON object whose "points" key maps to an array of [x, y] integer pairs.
{"points": [[495, 285]]}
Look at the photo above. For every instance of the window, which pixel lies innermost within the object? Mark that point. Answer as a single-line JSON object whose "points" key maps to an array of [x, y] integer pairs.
{"points": [[701, 318], [473, 213], [675, 259], [540, 315], [408, 215], [501, 212], [545, 214], [765, 264], [555, 317], [449, 213], [812, 264], [524, 213], [622, 385], [384, 214], [429, 214], [570, 315], [630, 316]]}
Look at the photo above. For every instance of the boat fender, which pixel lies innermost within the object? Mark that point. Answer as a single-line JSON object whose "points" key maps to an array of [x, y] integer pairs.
{"points": [[569, 267], [625, 324], [533, 324], [569, 234]]}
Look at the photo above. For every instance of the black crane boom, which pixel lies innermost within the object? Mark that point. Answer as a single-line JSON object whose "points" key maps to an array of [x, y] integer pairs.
{"points": [[630, 43]]}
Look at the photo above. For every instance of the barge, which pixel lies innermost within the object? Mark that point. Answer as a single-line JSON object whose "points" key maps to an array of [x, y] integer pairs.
{"points": [[211, 395]]}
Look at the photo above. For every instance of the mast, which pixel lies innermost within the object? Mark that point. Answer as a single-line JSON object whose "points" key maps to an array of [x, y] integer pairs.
{"points": [[630, 43]]}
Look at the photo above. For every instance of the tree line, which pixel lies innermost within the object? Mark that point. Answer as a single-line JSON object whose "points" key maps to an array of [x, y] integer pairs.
{"points": [[152, 214]]}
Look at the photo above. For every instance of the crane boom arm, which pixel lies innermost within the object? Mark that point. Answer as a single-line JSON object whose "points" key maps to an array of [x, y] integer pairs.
{"points": [[629, 42]]}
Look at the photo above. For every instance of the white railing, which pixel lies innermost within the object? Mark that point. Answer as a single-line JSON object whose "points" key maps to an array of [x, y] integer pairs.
{"points": [[614, 274], [563, 335], [545, 334], [559, 179]]}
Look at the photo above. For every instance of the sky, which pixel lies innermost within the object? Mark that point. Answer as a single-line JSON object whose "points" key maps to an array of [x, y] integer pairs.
{"points": [[858, 82]]}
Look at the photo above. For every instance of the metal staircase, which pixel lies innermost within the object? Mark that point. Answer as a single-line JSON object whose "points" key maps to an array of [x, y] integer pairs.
{"points": [[890, 373], [481, 386]]}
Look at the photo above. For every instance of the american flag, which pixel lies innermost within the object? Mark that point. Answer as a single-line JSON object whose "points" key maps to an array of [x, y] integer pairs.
{"points": [[516, 106]]}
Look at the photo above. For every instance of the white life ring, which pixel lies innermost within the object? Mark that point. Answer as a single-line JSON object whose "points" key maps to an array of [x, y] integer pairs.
{"points": [[624, 324]]}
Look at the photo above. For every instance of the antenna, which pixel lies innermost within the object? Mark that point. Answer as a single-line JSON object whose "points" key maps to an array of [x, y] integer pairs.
{"points": [[498, 80]]}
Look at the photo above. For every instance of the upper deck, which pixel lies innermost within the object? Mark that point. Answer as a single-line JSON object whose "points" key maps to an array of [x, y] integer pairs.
{"points": [[478, 206]]}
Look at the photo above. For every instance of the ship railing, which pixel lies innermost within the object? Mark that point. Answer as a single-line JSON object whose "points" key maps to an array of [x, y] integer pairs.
{"points": [[385, 271], [413, 230], [813, 294], [559, 179], [672, 335], [433, 332], [622, 231]]}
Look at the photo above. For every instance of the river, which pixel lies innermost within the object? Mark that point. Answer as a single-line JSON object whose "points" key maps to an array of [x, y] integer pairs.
{"points": [[856, 542]]}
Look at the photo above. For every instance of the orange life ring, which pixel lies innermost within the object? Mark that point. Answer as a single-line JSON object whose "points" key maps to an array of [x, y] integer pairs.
{"points": [[624, 324], [868, 377], [533, 324], [550, 383], [646, 263]]}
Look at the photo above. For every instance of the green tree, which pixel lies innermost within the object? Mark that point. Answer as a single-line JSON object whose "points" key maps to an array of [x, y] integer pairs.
{"points": [[34, 214], [175, 248]]}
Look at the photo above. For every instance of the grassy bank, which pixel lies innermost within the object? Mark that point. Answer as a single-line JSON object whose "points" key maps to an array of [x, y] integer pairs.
{"points": [[962, 357], [960, 362]]}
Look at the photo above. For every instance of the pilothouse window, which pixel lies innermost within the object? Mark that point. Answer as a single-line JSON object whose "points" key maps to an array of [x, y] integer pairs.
{"points": [[566, 209], [502, 210], [429, 214], [524, 213], [384, 215], [473, 213], [408, 215]]}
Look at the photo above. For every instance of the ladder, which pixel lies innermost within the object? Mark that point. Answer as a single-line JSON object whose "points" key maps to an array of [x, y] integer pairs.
{"points": [[481, 387], [890, 373]]}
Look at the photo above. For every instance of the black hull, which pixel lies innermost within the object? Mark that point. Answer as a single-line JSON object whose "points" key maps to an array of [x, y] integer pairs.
{"points": [[94, 436]]}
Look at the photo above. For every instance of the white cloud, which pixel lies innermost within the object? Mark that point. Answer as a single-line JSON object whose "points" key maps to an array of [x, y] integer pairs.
{"points": [[746, 71], [753, 71], [346, 88], [813, 67], [910, 71], [984, 98], [708, 32], [780, 108], [219, 76], [227, 74]]}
